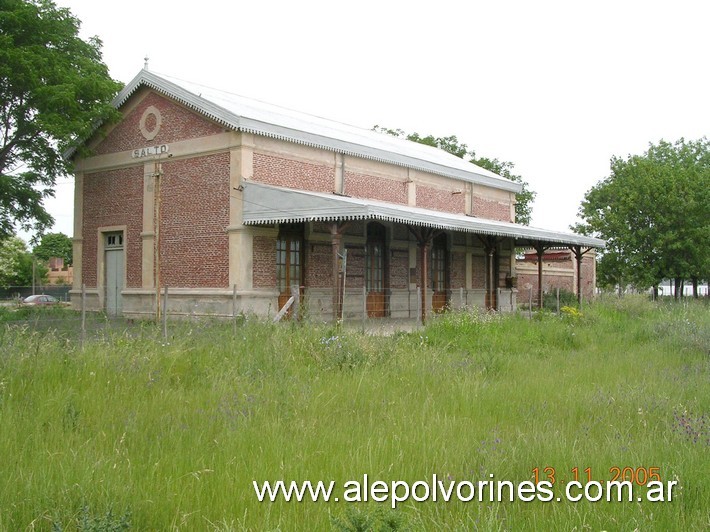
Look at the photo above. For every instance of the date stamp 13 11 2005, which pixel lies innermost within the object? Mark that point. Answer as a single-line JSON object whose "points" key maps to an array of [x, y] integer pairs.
{"points": [[620, 479]]}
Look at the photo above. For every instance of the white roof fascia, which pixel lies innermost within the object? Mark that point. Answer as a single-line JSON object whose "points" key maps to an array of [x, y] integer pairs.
{"points": [[272, 121], [266, 204]]}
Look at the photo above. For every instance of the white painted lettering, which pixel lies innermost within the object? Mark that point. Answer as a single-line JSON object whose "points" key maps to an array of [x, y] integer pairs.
{"points": [[152, 150]]}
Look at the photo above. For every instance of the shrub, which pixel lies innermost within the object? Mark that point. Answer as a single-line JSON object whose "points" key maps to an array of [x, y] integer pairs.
{"points": [[567, 299], [108, 522]]}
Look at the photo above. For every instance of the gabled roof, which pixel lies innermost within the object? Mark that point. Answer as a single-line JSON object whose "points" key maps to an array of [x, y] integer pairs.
{"points": [[266, 204], [253, 116]]}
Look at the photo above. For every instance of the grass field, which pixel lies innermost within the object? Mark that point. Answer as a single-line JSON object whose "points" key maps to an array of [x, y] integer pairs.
{"points": [[134, 433]]}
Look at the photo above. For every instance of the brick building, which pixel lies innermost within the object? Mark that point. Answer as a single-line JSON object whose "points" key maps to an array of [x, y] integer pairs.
{"points": [[58, 272], [559, 270], [234, 204]]}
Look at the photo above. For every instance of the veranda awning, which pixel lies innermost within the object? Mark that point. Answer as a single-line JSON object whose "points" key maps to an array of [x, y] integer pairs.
{"points": [[266, 204]]}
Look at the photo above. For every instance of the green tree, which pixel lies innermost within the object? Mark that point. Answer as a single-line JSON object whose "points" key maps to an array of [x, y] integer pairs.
{"points": [[54, 245], [12, 250], [654, 212], [16, 264], [54, 88], [451, 144]]}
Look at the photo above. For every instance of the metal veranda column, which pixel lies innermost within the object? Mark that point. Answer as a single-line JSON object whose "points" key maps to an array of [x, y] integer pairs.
{"points": [[540, 255], [424, 236], [579, 255], [489, 246], [424, 256], [336, 239], [491, 278]]}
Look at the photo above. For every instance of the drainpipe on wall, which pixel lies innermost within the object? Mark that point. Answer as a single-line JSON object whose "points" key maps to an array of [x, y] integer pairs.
{"points": [[156, 251]]}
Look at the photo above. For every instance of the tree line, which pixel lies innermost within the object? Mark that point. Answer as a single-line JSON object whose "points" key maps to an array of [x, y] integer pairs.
{"points": [[19, 266], [653, 210]]}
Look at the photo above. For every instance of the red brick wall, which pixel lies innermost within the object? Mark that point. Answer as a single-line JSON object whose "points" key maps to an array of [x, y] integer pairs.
{"points": [[550, 283], [397, 259], [282, 172], [490, 209], [478, 275], [418, 269], [399, 268], [319, 265], [113, 198], [553, 280], [458, 270], [377, 188], [356, 268], [194, 215], [503, 268], [264, 257], [588, 277], [440, 200], [178, 124]]}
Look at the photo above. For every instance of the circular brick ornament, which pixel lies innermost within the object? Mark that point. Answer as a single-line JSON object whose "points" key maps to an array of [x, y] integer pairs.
{"points": [[151, 119]]}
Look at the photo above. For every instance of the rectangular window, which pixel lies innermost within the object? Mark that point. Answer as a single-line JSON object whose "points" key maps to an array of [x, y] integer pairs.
{"points": [[288, 263], [374, 270], [438, 269], [113, 240]]}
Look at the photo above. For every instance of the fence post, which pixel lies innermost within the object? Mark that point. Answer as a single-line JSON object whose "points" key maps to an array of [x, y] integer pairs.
{"points": [[83, 315], [530, 304], [165, 314], [461, 297], [419, 306], [234, 308], [364, 308], [296, 294], [558, 300]]}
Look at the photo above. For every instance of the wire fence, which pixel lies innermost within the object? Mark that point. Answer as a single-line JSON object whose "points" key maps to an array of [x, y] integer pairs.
{"points": [[79, 322], [69, 319], [357, 308], [392, 310], [76, 324], [15, 294]]}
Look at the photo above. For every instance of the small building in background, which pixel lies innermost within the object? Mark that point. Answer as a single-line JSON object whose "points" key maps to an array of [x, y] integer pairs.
{"points": [[58, 272], [559, 270]]}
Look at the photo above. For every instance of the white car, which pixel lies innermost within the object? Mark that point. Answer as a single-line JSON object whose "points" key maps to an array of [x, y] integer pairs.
{"points": [[41, 299]]}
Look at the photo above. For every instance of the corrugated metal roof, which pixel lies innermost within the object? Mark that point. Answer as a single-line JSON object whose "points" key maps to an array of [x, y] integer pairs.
{"points": [[245, 114], [266, 204]]}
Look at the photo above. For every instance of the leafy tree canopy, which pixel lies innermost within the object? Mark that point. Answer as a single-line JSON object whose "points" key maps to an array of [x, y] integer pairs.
{"points": [[54, 88], [654, 212], [16, 264], [54, 245], [524, 200]]}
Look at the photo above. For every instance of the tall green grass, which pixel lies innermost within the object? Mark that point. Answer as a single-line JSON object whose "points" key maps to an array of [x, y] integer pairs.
{"points": [[134, 432]]}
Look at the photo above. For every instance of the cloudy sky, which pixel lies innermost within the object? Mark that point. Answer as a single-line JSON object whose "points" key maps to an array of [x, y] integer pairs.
{"points": [[556, 87]]}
